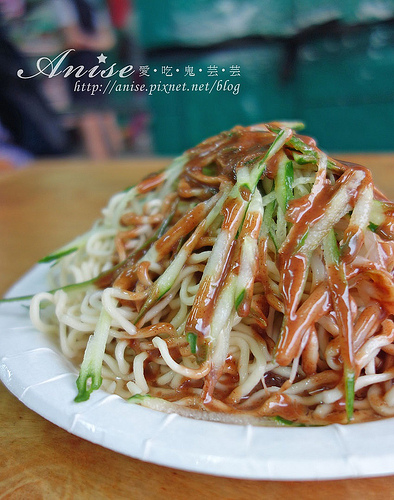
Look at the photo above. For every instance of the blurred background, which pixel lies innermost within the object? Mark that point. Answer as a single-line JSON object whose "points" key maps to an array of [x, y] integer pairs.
{"points": [[197, 68]]}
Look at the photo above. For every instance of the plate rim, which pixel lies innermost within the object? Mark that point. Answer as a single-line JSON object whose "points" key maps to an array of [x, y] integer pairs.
{"points": [[236, 451]]}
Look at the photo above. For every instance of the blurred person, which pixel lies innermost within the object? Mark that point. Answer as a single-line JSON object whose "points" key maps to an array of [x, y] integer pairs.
{"points": [[11, 155], [87, 29], [28, 125], [134, 108], [12, 8]]}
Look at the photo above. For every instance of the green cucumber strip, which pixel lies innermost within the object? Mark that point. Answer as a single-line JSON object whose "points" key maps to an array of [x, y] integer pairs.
{"points": [[331, 249], [57, 255], [268, 225], [210, 170], [309, 152], [284, 421], [66, 288], [192, 340], [90, 373], [248, 249], [349, 377], [377, 215], [138, 398], [332, 258], [304, 159], [239, 299], [337, 207], [283, 136], [284, 183], [294, 125]]}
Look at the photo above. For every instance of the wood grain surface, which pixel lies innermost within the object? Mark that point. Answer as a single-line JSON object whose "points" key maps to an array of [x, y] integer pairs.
{"points": [[41, 208]]}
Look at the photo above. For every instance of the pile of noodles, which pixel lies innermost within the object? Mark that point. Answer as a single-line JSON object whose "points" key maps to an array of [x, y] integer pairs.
{"points": [[250, 281]]}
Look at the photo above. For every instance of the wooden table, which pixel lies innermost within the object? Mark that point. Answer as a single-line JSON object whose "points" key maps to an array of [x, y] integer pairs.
{"points": [[41, 208]]}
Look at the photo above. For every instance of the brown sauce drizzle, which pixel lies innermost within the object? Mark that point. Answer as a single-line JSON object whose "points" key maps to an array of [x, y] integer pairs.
{"points": [[341, 303], [159, 329], [200, 316], [240, 146], [212, 165], [182, 228], [150, 182], [296, 326]]}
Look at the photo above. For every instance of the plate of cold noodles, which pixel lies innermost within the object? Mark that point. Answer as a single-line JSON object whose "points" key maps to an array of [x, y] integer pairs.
{"points": [[247, 287]]}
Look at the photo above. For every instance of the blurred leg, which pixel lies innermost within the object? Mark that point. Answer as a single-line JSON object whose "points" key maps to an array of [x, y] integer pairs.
{"points": [[91, 128], [112, 132]]}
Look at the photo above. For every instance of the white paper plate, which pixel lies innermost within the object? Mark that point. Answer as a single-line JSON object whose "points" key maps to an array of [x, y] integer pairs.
{"points": [[34, 370]]}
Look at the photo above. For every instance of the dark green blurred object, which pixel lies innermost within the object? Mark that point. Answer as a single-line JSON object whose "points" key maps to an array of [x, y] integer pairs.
{"points": [[182, 119], [179, 23], [328, 63], [345, 88]]}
